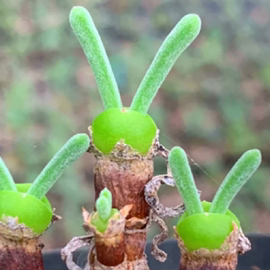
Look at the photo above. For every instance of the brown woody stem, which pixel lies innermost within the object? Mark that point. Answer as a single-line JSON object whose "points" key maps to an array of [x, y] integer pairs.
{"points": [[125, 173], [20, 249]]}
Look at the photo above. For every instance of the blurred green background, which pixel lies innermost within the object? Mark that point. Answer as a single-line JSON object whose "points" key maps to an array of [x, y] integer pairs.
{"points": [[215, 102]]}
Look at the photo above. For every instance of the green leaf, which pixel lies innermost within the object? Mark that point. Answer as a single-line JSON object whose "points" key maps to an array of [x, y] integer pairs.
{"points": [[184, 181], [103, 208], [71, 151], [176, 42], [6, 180], [88, 36], [111, 126], [243, 169], [107, 194]]}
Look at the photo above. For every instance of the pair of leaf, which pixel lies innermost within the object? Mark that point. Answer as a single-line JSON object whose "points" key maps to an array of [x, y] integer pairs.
{"points": [[185, 31], [235, 179]]}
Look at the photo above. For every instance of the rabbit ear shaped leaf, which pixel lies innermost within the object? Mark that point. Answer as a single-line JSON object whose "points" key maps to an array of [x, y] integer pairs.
{"points": [[243, 169], [75, 147], [186, 30], [184, 181], [88, 36]]}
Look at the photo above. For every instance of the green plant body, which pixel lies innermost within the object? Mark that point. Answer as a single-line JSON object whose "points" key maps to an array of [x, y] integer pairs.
{"points": [[27, 202], [129, 125], [104, 211], [208, 229], [30, 211], [111, 126]]}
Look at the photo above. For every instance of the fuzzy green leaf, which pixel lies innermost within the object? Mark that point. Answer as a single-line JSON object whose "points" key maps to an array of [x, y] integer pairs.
{"points": [[176, 42], [6, 180], [88, 36], [103, 208], [108, 195], [184, 180], [71, 151], [235, 179]]}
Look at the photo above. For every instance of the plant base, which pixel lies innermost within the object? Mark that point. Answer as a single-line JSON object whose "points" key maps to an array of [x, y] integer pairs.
{"points": [[20, 249], [224, 258]]}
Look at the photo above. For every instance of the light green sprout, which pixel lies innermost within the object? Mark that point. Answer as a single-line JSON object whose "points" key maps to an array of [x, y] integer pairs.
{"points": [[186, 30], [104, 211], [104, 204], [184, 180], [235, 179], [6, 180], [87, 34], [71, 151]]}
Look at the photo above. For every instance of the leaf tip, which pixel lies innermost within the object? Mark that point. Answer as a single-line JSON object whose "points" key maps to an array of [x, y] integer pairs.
{"points": [[77, 13], [193, 20], [82, 140]]}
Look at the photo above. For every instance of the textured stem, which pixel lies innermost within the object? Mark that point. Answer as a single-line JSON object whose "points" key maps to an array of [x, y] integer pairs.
{"points": [[197, 262], [19, 252], [224, 258], [126, 180]]}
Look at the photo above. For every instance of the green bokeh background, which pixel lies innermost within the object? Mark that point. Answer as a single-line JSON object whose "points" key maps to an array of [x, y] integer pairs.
{"points": [[215, 103]]}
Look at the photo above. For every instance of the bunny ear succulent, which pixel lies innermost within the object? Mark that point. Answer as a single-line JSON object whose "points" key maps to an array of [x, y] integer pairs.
{"points": [[116, 123], [204, 224], [27, 202]]}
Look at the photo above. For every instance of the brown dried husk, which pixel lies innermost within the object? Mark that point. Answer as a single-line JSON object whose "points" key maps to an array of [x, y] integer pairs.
{"points": [[224, 258], [20, 247]]}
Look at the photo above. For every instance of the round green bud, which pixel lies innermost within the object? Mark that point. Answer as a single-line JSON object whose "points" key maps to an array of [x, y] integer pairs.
{"points": [[135, 129], [207, 230], [30, 211]]}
